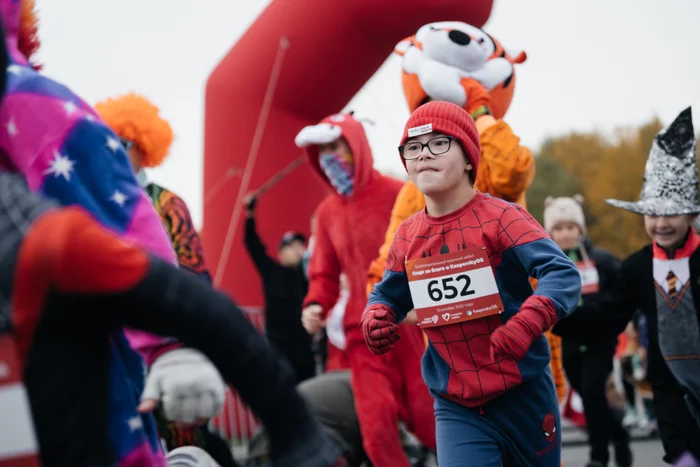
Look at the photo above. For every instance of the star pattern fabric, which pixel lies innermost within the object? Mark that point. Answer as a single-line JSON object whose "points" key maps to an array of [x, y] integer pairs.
{"points": [[63, 150]]}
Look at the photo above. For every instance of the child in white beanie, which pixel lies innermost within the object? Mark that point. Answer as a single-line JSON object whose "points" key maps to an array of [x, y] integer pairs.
{"points": [[588, 360]]}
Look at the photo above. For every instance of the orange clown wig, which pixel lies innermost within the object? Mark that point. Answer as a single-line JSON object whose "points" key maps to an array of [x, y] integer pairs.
{"points": [[135, 119], [27, 40]]}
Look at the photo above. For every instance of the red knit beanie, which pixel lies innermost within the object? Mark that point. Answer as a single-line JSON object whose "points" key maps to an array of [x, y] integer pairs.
{"points": [[448, 119]]}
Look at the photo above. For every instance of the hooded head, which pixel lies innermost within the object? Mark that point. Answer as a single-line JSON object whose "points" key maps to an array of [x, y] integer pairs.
{"points": [[145, 134], [441, 56], [20, 24], [338, 150]]}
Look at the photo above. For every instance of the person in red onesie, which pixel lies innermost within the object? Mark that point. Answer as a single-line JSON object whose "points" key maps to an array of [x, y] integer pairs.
{"points": [[464, 265], [350, 224]]}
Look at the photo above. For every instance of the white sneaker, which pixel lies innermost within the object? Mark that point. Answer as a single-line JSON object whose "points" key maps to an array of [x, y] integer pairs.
{"points": [[630, 418]]}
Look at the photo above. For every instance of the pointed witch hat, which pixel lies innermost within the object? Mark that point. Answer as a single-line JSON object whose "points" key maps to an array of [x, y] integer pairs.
{"points": [[670, 185]]}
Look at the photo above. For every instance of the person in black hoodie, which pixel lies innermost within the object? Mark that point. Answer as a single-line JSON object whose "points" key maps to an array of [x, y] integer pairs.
{"points": [[588, 359], [284, 286]]}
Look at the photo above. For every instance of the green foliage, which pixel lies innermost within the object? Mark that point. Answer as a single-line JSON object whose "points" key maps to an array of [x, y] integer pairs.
{"points": [[550, 180]]}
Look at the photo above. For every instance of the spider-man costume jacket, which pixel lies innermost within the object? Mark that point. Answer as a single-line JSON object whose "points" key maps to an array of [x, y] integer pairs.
{"points": [[458, 364], [72, 285]]}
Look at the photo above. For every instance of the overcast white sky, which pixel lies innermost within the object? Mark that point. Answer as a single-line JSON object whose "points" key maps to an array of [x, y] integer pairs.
{"points": [[591, 65]]}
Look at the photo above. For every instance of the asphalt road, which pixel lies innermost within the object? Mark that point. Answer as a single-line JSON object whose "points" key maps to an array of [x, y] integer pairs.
{"points": [[647, 453]]}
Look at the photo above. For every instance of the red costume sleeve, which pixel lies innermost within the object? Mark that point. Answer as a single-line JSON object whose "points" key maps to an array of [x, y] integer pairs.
{"points": [[68, 251], [324, 269]]}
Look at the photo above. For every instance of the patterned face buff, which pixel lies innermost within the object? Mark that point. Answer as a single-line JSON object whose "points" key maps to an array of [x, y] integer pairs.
{"points": [[340, 170]]}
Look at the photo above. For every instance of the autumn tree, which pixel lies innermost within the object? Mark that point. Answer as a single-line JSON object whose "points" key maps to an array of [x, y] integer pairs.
{"points": [[551, 179], [603, 167]]}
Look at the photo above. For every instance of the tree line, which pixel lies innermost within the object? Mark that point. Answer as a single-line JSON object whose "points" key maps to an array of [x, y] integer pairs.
{"points": [[599, 168]]}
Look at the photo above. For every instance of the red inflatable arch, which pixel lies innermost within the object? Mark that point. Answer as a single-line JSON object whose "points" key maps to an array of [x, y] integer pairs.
{"points": [[300, 61]]}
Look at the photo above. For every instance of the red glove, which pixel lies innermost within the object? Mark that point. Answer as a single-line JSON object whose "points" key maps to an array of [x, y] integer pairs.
{"points": [[513, 339], [477, 97], [379, 329]]}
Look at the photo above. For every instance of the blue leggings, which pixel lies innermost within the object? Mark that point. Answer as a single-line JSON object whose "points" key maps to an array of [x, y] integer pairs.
{"points": [[519, 429]]}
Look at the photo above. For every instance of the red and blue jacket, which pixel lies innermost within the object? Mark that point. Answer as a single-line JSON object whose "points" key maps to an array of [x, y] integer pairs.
{"points": [[458, 363]]}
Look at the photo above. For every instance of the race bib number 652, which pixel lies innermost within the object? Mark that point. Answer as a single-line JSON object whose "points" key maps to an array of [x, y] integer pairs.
{"points": [[452, 288]]}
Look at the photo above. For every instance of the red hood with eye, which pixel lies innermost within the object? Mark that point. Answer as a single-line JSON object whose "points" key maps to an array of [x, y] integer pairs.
{"points": [[331, 128]]}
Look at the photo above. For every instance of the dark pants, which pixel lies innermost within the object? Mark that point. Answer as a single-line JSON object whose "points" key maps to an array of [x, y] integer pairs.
{"points": [[296, 351], [520, 428], [679, 430], [587, 371]]}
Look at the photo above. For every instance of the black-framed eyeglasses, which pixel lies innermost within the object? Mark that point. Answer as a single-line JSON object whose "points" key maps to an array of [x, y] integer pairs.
{"points": [[438, 145], [126, 143]]}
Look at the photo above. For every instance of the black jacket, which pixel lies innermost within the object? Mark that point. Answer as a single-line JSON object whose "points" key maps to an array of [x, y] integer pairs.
{"points": [[608, 267], [284, 289], [635, 290]]}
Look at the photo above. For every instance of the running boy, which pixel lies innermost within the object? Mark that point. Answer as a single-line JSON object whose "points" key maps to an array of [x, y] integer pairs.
{"points": [[464, 264]]}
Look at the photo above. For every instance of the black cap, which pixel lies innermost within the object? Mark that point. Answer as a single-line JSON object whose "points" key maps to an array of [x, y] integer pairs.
{"points": [[290, 237]]}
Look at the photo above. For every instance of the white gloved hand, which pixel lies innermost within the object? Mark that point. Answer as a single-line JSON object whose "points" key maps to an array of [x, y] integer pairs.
{"points": [[190, 456], [187, 384]]}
